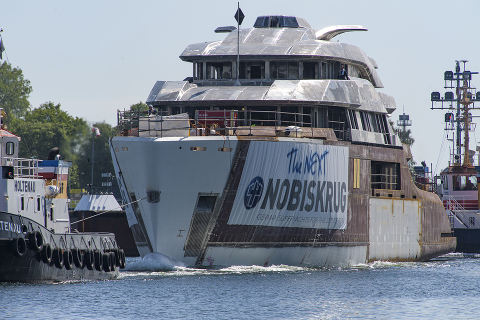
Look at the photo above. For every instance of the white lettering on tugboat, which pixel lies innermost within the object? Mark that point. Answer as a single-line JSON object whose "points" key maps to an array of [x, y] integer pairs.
{"points": [[24, 186], [10, 226]]}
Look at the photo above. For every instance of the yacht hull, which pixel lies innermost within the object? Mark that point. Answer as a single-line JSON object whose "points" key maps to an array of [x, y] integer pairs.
{"points": [[197, 200]]}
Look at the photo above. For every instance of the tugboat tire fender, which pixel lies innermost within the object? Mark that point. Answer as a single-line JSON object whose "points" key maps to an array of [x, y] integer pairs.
{"points": [[89, 259], [35, 241], [47, 253], [116, 251], [58, 258], [68, 259], [98, 260], [78, 258], [106, 261], [18, 246], [122, 259], [113, 261]]}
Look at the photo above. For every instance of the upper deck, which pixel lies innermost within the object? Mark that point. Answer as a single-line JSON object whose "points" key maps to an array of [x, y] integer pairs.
{"points": [[273, 49], [288, 75]]}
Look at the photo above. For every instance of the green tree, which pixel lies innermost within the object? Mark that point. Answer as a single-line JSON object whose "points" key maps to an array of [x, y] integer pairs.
{"points": [[14, 92], [47, 127], [139, 107]]}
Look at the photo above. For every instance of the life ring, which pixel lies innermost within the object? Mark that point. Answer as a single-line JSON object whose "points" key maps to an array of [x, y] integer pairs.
{"points": [[122, 260], [58, 258], [35, 241], [47, 253], [18, 246], [77, 258], [67, 259], [98, 260], [89, 259]]}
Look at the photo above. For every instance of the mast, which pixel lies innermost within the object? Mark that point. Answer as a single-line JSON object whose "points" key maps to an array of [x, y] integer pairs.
{"points": [[466, 96]]}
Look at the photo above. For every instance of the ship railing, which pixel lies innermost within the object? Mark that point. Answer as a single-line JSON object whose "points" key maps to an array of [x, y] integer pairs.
{"points": [[456, 210], [424, 182], [22, 168], [223, 122]]}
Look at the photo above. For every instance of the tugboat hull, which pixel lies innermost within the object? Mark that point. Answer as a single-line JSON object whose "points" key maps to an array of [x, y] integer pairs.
{"points": [[24, 257]]}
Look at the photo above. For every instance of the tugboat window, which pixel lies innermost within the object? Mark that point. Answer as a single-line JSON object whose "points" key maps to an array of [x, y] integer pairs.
{"points": [[10, 148], [461, 183]]}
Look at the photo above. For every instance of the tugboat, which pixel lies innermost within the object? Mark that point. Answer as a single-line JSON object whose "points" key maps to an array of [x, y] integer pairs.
{"points": [[459, 186], [276, 150], [37, 243]]}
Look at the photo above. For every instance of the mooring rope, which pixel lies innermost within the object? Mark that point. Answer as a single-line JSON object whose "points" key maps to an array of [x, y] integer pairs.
{"points": [[114, 209]]}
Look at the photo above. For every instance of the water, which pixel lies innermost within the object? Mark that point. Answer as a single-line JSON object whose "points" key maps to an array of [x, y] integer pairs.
{"points": [[447, 287]]}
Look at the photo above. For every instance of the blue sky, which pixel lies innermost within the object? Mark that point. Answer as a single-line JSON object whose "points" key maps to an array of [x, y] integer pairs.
{"points": [[95, 57]]}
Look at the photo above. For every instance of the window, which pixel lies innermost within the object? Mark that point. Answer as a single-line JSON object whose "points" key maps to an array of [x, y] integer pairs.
{"points": [[309, 70], [38, 204], [385, 175], [352, 116], [365, 121], [337, 121], [219, 70], [284, 70], [198, 71], [464, 183], [10, 148], [252, 70], [471, 221]]}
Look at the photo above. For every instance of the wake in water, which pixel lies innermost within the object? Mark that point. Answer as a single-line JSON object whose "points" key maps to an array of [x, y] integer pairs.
{"points": [[155, 262]]}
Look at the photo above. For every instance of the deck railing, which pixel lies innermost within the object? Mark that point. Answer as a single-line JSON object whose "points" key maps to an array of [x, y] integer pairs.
{"points": [[223, 122], [21, 167]]}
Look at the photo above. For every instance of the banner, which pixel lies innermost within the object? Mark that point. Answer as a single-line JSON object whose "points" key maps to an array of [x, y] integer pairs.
{"points": [[288, 184]]}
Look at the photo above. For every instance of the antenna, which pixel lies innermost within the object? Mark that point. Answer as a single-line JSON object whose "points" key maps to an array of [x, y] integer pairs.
{"points": [[404, 120], [465, 99]]}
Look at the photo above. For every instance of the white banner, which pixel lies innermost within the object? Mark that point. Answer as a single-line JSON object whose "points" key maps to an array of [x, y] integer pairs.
{"points": [[293, 185]]}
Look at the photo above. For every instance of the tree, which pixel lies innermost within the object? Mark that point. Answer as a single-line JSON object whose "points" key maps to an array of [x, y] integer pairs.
{"points": [[403, 135], [14, 92], [47, 127], [139, 107]]}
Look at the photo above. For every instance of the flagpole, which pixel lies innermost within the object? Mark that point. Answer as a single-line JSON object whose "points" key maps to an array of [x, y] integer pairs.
{"points": [[238, 46], [93, 154]]}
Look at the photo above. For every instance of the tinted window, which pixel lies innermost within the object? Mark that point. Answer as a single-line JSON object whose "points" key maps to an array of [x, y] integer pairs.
{"points": [[10, 148]]}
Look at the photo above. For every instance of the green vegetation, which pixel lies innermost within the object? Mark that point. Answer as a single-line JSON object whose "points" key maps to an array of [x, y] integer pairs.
{"points": [[14, 92], [48, 126]]}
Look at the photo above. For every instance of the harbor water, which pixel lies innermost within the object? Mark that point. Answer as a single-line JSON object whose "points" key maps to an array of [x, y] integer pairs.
{"points": [[444, 288]]}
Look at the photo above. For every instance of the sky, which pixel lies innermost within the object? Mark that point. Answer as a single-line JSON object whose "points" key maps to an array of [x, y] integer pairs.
{"points": [[94, 57]]}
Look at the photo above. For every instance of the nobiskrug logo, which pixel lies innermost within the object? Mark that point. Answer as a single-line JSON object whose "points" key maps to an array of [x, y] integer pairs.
{"points": [[253, 193]]}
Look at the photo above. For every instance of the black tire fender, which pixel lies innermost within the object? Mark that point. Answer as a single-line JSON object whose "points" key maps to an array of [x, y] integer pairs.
{"points": [[98, 260], [35, 241], [122, 263], [18, 246], [89, 259], [78, 258], [106, 261], [67, 259], [58, 258], [47, 253]]}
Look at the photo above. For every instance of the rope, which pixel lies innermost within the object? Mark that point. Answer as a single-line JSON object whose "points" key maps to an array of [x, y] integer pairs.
{"points": [[441, 152], [107, 211]]}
